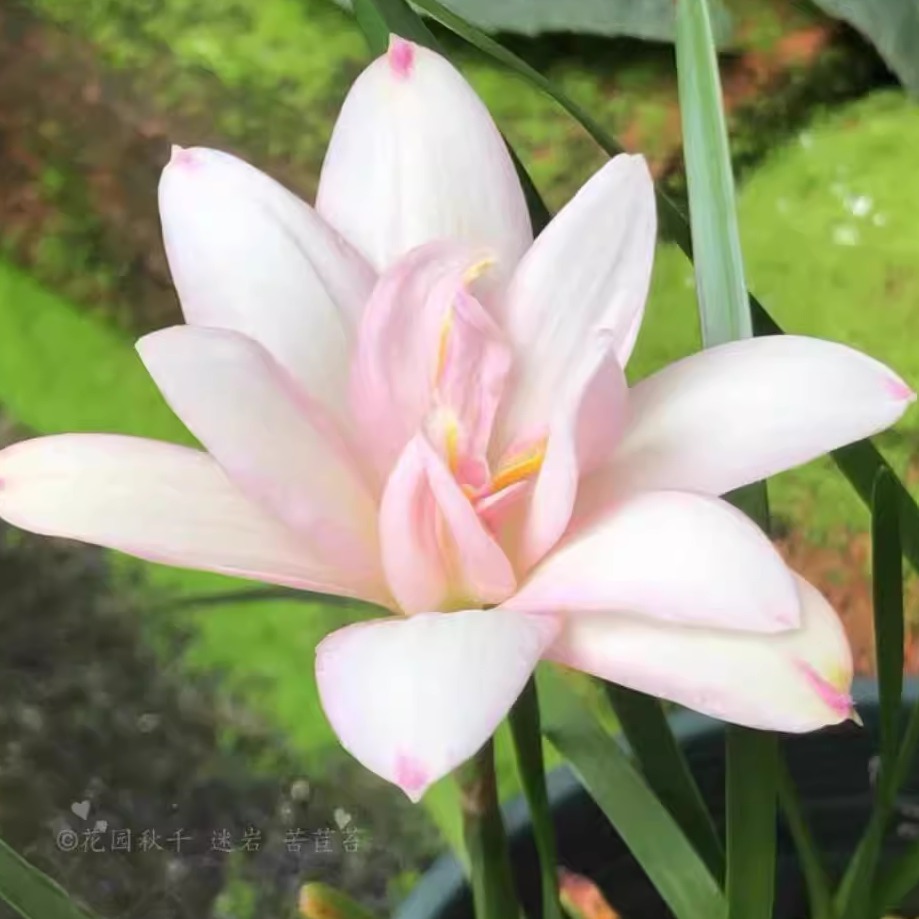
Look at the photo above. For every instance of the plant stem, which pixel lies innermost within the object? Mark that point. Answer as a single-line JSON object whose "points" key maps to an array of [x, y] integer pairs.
{"points": [[483, 830], [525, 730]]}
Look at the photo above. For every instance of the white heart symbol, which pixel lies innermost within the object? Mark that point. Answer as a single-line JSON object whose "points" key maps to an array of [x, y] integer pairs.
{"points": [[101, 826], [81, 809], [342, 817]]}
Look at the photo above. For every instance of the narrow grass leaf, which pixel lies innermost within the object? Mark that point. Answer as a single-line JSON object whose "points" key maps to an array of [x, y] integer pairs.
{"points": [[752, 779], [609, 776], [887, 580], [724, 310], [645, 726], [722, 291], [525, 729], [32, 894]]}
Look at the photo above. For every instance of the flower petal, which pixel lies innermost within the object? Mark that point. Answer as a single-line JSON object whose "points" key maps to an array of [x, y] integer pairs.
{"points": [[588, 271], [582, 437], [248, 255], [415, 157], [671, 556], [437, 554], [796, 681], [427, 348], [414, 698], [275, 443], [163, 503], [746, 410]]}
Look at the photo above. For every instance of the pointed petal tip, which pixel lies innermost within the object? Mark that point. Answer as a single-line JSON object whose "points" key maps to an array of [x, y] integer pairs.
{"points": [[855, 718], [401, 56], [182, 157], [412, 777], [900, 391]]}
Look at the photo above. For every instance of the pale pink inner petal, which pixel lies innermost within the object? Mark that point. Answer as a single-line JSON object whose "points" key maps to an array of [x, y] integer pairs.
{"points": [[429, 357], [437, 553], [582, 437]]}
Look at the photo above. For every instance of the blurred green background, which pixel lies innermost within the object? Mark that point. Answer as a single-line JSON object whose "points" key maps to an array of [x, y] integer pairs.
{"points": [[159, 715]]}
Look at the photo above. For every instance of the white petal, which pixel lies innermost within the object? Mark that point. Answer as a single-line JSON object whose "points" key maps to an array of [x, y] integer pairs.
{"points": [[248, 255], [588, 271], [796, 681], [414, 158], [414, 698], [277, 444], [159, 502], [670, 556], [750, 409]]}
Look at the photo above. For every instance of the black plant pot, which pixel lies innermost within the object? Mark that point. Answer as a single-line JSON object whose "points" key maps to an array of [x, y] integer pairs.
{"points": [[832, 770]]}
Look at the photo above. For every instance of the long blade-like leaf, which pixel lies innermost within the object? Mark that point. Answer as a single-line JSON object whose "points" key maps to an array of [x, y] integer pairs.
{"points": [[525, 729], [887, 575], [724, 310], [752, 777], [646, 826], [722, 291], [32, 894], [855, 892], [644, 724]]}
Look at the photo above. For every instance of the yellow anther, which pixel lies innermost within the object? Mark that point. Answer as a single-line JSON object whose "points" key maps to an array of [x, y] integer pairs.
{"points": [[446, 328], [477, 269], [520, 466]]}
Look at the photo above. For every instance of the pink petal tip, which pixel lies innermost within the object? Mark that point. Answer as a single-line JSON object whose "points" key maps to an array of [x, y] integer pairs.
{"points": [[182, 157], [401, 55], [899, 390], [411, 776], [839, 702]]}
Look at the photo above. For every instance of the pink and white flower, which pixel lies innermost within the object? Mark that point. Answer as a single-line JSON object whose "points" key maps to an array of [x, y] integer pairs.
{"points": [[403, 398]]}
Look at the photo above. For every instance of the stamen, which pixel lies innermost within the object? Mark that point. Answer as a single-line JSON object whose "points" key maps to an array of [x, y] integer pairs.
{"points": [[520, 466], [443, 344], [477, 269]]}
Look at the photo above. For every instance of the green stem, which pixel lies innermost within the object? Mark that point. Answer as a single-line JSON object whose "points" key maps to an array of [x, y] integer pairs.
{"points": [[483, 830], [525, 730]]}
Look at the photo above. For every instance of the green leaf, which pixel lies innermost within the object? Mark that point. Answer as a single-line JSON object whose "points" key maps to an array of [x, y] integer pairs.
{"points": [[887, 575], [651, 20], [644, 724], [32, 894], [378, 19], [646, 826], [722, 291], [815, 878], [752, 779], [892, 26], [486, 842], [525, 729], [724, 310]]}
